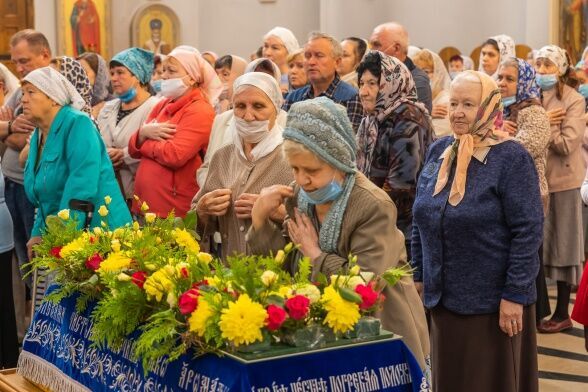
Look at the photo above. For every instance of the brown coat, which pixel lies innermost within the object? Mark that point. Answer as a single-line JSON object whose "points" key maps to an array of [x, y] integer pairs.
{"points": [[565, 165], [368, 231]]}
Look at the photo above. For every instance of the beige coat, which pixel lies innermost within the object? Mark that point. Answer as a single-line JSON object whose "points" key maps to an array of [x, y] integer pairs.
{"points": [[368, 231], [565, 164]]}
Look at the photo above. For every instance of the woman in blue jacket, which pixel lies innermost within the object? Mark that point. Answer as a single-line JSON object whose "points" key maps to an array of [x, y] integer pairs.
{"points": [[67, 160]]}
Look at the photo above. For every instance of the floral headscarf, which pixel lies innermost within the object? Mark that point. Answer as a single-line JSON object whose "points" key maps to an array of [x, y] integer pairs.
{"points": [[484, 132], [75, 73], [397, 87], [556, 55], [528, 91], [506, 49]]}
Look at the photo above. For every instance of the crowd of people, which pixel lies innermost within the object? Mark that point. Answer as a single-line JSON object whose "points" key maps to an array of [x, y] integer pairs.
{"points": [[363, 147]]}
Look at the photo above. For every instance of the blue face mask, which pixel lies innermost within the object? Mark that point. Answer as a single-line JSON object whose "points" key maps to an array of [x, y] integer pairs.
{"points": [[329, 192], [584, 90], [506, 102], [128, 95], [156, 84], [546, 82], [453, 74]]}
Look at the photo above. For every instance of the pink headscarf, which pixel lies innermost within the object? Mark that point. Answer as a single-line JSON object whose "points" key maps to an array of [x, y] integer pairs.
{"points": [[200, 71]]}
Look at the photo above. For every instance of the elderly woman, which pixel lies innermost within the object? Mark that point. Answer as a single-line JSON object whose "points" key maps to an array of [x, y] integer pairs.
{"points": [[8, 84], [476, 234], [563, 244], [393, 137], [241, 169], [335, 211], [296, 73], [278, 43], [228, 68], [494, 50], [66, 148], [97, 71], [130, 72], [173, 140], [431, 63]]}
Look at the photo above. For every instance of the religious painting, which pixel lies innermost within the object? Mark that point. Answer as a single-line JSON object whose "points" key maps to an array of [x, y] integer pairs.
{"points": [[572, 27], [155, 28], [84, 26]]}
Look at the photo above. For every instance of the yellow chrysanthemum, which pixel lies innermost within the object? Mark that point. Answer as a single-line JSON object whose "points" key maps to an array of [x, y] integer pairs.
{"points": [[150, 217], [204, 258], [74, 246], [115, 262], [160, 283], [103, 211], [342, 315], [185, 240], [242, 321], [199, 318], [63, 214]]}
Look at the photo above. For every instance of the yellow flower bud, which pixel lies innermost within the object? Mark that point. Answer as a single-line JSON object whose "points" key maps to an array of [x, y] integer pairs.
{"points": [[354, 270], [150, 266], [158, 240], [97, 230], [136, 197], [115, 245], [171, 299], [268, 278], [63, 214], [136, 226], [204, 258], [288, 247], [103, 211], [107, 200], [103, 224], [150, 217], [122, 277], [144, 207], [280, 256]]}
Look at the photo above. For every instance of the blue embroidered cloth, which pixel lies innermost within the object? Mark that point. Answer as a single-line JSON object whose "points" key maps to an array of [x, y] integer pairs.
{"points": [[57, 353]]}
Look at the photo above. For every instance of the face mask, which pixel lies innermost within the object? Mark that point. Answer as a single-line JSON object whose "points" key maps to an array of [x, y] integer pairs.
{"points": [[156, 84], [453, 74], [128, 95], [252, 131], [506, 102], [546, 82], [329, 192], [173, 88], [584, 90]]}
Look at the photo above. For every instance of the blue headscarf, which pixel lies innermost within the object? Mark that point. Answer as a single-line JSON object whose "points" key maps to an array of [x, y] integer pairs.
{"points": [[138, 61], [528, 91]]}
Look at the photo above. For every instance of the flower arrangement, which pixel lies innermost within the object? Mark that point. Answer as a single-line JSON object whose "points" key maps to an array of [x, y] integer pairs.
{"points": [[154, 281]]}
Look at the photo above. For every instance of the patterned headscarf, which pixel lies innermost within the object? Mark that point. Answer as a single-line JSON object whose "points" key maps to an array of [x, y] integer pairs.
{"points": [[506, 49], [556, 55], [56, 86], [484, 132], [397, 87], [528, 91], [138, 61], [75, 73]]}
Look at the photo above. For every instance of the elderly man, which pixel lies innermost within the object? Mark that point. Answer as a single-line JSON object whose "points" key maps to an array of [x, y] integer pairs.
{"points": [[392, 39], [322, 56]]}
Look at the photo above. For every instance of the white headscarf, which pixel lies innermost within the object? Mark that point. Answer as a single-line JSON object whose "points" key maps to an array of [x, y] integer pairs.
{"points": [[252, 65], [506, 49], [556, 55], [440, 80], [286, 36], [468, 63], [412, 51], [56, 86], [11, 82], [265, 83]]}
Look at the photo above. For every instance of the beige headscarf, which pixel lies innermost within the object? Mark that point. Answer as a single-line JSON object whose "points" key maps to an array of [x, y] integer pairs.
{"points": [[484, 132]]}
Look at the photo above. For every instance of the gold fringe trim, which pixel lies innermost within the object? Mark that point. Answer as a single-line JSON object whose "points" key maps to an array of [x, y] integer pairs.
{"points": [[39, 371]]}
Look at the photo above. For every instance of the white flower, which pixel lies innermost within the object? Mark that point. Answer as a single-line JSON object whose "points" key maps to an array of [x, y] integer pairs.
{"points": [[63, 214], [310, 291], [122, 277], [354, 281], [268, 278]]}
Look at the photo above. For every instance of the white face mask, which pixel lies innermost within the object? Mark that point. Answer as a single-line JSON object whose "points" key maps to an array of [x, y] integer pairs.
{"points": [[173, 88], [252, 131]]}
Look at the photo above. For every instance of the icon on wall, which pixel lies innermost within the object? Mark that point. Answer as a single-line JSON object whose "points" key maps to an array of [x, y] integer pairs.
{"points": [[85, 26], [572, 27], [155, 28]]}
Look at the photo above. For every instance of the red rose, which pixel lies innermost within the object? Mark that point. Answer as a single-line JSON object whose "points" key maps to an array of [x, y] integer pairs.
{"points": [[184, 272], [275, 317], [188, 301], [199, 284], [93, 262], [56, 251], [139, 278], [368, 296], [298, 306]]}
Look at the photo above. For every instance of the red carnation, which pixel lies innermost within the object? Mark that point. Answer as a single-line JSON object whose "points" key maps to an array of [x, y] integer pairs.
{"points": [[298, 306], [184, 272], [56, 251], [188, 301], [275, 317], [93, 262], [368, 296], [139, 278]]}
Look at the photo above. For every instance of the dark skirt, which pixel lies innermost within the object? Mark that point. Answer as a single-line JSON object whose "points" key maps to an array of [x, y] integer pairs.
{"points": [[8, 336], [471, 353]]}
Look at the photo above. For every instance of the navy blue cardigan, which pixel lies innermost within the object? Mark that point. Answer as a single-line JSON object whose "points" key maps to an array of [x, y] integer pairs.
{"points": [[471, 256]]}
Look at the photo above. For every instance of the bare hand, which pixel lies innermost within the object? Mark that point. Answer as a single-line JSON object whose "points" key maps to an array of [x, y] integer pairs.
{"points": [[268, 203], [511, 317], [157, 131], [303, 233], [510, 127], [214, 203], [6, 113], [244, 205], [439, 111], [22, 125], [117, 156], [556, 116], [32, 242]]}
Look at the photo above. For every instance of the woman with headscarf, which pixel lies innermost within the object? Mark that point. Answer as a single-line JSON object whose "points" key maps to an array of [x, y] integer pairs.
{"points": [[172, 142], [241, 169], [334, 211], [563, 244], [476, 234], [130, 72], [228, 68], [494, 50], [278, 43], [395, 133], [8, 84], [210, 57], [223, 127], [431, 63], [68, 160], [97, 71]]}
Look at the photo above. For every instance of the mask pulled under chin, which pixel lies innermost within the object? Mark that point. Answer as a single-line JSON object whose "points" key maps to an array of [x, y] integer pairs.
{"points": [[252, 131], [327, 193]]}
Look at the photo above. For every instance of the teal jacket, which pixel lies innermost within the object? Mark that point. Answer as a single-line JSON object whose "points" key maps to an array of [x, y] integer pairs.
{"points": [[74, 164]]}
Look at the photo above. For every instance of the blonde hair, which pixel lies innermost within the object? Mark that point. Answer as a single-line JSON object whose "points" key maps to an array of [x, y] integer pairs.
{"points": [[423, 59], [294, 55], [290, 147]]}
